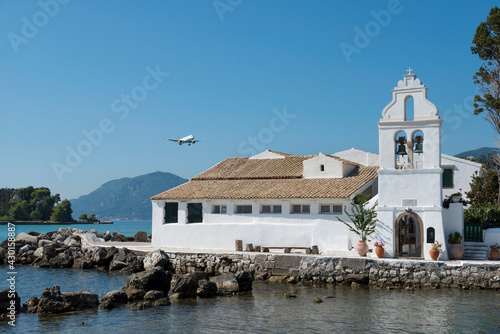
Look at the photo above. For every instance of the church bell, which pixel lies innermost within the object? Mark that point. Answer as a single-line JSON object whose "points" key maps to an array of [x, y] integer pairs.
{"points": [[401, 147], [419, 148], [401, 150]]}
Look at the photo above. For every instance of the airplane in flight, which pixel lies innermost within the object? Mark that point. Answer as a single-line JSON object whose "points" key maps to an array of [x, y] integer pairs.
{"points": [[185, 140]]}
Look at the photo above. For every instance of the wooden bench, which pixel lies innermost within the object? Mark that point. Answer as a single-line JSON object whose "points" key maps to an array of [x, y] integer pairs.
{"points": [[309, 250]]}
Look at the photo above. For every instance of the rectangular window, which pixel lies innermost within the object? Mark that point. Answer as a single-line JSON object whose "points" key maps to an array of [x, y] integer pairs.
{"points": [[270, 209], [171, 209], [448, 178], [243, 209], [194, 214], [222, 209], [324, 209], [297, 208], [337, 209]]}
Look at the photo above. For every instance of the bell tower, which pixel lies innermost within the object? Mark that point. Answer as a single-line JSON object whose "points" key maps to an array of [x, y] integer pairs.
{"points": [[410, 174]]}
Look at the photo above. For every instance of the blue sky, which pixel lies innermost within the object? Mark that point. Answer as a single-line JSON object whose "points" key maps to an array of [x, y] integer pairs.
{"points": [[90, 89]]}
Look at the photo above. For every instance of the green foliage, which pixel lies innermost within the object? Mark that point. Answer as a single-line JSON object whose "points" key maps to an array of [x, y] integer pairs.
{"points": [[486, 213], [484, 189], [27, 203], [62, 212], [363, 219], [91, 219], [487, 46], [455, 238], [20, 211]]}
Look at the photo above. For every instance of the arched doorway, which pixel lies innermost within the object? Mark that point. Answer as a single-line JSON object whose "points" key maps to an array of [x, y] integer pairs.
{"points": [[409, 235]]}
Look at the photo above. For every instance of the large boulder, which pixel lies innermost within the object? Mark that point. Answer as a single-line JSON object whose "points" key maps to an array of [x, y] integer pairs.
{"points": [[73, 241], [206, 289], [99, 256], [134, 263], [184, 286], [55, 301], [153, 279], [245, 280], [117, 297], [226, 283], [26, 239], [10, 302], [157, 258], [141, 236]]}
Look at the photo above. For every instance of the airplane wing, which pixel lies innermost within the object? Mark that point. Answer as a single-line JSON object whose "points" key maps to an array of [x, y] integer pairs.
{"points": [[176, 140]]}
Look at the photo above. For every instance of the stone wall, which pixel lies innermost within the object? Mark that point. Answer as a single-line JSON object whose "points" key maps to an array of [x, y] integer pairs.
{"points": [[387, 273]]}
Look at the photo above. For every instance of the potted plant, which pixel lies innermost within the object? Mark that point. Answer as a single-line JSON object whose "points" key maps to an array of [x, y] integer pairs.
{"points": [[494, 252], [379, 248], [456, 197], [434, 252], [363, 220], [456, 250]]}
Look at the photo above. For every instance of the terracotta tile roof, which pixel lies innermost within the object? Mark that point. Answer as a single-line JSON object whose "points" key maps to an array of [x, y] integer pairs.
{"points": [[243, 178]]}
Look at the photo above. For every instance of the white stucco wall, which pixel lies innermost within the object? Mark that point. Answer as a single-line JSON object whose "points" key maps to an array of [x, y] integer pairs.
{"points": [[463, 170], [219, 231]]}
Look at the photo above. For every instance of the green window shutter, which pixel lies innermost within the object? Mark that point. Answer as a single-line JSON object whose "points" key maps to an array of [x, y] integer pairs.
{"points": [[195, 213], [448, 178], [171, 212]]}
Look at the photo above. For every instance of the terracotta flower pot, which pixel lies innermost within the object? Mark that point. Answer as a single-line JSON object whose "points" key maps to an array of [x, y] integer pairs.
{"points": [[456, 251], [494, 254], [434, 253], [379, 251], [362, 248]]}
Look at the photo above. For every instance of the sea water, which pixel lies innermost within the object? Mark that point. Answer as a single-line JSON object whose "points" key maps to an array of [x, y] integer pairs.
{"points": [[264, 310]]}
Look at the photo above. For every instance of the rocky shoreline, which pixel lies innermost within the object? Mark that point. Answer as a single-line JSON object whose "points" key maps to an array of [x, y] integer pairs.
{"points": [[152, 277], [199, 274]]}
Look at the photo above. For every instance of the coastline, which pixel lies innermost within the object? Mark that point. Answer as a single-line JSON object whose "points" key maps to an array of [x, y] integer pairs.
{"points": [[38, 223]]}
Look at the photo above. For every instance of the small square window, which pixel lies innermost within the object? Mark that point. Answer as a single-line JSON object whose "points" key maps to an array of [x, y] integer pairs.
{"points": [[325, 209], [337, 208], [306, 208], [296, 209], [277, 209], [219, 209], [266, 209]]}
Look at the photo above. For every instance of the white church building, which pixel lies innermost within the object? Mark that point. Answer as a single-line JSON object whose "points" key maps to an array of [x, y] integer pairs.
{"points": [[276, 199]]}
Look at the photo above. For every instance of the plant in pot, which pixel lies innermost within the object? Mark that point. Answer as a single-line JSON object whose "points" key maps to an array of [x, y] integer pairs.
{"points": [[494, 252], [434, 252], [456, 250], [363, 220], [379, 248]]}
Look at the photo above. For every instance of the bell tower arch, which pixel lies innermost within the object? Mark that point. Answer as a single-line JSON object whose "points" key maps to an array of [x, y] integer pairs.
{"points": [[410, 162]]}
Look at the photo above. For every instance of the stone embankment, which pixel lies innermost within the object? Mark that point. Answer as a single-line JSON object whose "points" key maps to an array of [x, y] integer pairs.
{"points": [[383, 273]]}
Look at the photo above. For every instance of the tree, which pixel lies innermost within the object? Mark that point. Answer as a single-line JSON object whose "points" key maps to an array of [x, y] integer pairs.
{"points": [[487, 47], [484, 189], [363, 218], [62, 212], [83, 217], [20, 211]]}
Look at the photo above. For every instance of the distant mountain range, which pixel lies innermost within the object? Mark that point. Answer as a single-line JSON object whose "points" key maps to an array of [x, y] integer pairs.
{"points": [[126, 198], [483, 151]]}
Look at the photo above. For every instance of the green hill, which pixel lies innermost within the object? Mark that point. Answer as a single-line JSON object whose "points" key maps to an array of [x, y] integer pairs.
{"points": [[483, 151], [126, 198]]}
